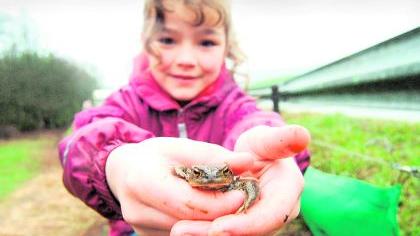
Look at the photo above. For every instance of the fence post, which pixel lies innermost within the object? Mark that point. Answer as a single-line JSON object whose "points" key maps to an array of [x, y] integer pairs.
{"points": [[275, 96]]}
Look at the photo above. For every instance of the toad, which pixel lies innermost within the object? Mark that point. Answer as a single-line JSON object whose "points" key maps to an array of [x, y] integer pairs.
{"points": [[220, 177]]}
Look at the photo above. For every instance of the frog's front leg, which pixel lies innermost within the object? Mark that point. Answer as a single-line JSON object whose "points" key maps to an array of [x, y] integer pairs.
{"points": [[251, 189], [181, 171]]}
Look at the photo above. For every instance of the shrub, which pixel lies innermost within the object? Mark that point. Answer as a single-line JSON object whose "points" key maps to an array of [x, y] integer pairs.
{"points": [[41, 91]]}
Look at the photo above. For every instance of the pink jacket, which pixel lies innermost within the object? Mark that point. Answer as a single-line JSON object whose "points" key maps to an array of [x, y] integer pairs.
{"points": [[141, 110]]}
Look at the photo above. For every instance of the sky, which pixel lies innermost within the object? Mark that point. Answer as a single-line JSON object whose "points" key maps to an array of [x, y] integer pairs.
{"points": [[279, 37]]}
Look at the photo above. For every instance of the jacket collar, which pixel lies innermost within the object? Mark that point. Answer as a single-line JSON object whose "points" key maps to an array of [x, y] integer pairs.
{"points": [[146, 87]]}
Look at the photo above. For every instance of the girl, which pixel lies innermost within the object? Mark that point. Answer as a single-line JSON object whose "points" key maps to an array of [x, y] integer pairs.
{"points": [[182, 107]]}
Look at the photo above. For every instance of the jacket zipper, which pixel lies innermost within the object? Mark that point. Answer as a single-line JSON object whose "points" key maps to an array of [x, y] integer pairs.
{"points": [[182, 128]]}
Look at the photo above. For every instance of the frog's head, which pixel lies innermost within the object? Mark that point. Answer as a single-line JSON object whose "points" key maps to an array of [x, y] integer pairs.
{"points": [[209, 176]]}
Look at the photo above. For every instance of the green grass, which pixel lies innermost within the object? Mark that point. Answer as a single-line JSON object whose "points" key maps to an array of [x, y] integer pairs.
{"points": [[364, 149], [19, 162]]}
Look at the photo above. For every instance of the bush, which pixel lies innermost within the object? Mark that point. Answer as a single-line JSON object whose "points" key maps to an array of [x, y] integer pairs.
{"points": [[41, 91]]}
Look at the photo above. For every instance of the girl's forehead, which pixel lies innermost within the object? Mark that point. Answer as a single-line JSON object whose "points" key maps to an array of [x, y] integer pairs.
{"points": [[211, 17], [176, 24]]}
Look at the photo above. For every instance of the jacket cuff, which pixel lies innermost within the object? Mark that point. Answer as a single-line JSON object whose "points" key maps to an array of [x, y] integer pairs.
{"points": [[84, 156], [107, 205]]}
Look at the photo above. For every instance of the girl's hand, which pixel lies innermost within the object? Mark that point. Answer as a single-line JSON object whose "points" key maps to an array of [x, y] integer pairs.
{"points": [[153, 199], [281, 184]]}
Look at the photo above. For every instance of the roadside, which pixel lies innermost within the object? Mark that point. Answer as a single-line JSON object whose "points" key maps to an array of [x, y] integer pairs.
{"points": [[42, 206]]}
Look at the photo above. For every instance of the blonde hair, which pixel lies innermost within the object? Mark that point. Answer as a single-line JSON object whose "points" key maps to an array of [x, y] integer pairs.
{"points": [[154, 20]]}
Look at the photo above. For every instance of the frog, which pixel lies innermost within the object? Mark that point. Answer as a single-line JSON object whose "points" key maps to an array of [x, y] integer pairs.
{"points": [[220, 177]]}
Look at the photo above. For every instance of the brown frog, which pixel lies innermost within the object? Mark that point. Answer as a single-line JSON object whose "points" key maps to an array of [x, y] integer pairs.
{"points": [[219, 177]]}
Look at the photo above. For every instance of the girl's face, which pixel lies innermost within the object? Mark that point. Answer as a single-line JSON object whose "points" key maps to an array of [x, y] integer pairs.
{"points": [[190, 57]]}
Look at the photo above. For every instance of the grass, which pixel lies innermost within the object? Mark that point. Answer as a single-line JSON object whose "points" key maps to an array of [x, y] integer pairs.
{"points": [[19, 162], [365, 149], [358, 148]]}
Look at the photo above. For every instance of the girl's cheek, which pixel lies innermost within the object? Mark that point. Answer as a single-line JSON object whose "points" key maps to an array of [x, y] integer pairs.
{"points": [[211, 63], [166, 59]]}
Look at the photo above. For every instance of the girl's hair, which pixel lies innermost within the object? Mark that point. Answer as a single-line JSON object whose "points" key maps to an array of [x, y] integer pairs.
{"points": [[154, 20]]}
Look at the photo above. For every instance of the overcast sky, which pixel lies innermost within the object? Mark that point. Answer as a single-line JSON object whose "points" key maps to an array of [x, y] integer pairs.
{"points": [[280, 37]]}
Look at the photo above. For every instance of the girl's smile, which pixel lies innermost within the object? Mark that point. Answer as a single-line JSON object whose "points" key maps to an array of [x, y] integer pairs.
{"points": [[183, 81], [185, 77]]}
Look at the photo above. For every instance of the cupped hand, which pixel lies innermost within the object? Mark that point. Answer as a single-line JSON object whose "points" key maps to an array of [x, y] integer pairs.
{"points": [[281, 184], [153, 199]]}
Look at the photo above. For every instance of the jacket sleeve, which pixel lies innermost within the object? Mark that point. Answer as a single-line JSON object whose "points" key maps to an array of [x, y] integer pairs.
{"points": [[246, 116], [83, 154]]}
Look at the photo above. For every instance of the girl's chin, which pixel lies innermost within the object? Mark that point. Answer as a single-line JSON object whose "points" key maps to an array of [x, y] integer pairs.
{"points": [[184, 93], [184, 97]]}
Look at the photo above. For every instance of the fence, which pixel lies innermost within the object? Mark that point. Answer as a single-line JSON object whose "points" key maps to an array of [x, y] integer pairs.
{"points": [[385, 76]]}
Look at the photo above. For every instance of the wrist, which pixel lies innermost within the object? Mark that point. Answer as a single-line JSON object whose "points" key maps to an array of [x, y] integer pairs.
{"points": [[116, 167]]}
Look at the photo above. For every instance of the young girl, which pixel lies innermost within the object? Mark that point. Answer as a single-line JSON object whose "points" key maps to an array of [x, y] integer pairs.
{"points": [[182, 107]]}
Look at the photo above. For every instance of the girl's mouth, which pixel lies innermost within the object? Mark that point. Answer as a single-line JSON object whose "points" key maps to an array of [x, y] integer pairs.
{"points": [[184, 77]]}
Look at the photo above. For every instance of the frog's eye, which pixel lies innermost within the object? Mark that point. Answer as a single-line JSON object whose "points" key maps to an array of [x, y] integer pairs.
{"points": [[196, 171], [226, 170]]}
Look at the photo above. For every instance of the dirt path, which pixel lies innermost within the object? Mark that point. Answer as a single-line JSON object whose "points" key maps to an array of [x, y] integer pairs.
{"points": [[44, 207]]}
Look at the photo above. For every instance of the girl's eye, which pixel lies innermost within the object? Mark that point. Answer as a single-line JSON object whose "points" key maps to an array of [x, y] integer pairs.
{"points": [[167, 40], [207, 43]]}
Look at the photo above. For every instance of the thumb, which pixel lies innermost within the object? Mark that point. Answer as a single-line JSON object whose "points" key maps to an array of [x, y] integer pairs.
{"points": [[269, 143], [190, 227]]}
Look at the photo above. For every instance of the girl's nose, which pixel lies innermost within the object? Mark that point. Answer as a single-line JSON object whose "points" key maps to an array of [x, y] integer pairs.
{"points": [[186, 58]]}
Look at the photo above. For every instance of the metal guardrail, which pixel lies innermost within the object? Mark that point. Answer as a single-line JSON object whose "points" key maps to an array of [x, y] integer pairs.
{"points": [[394, 59], [385, 76]]}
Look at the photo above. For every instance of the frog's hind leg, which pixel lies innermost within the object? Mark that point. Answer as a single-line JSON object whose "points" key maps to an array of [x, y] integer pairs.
{"points": [[250, 187]]}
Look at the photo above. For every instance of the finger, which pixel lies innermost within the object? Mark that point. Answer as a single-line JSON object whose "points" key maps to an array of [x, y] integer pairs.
{"points": [[263, 218], [189, 152], [238, 162], [190, 227], [255, 222], [294, 213], [140, 215], [271, 212], [274, 142]]}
